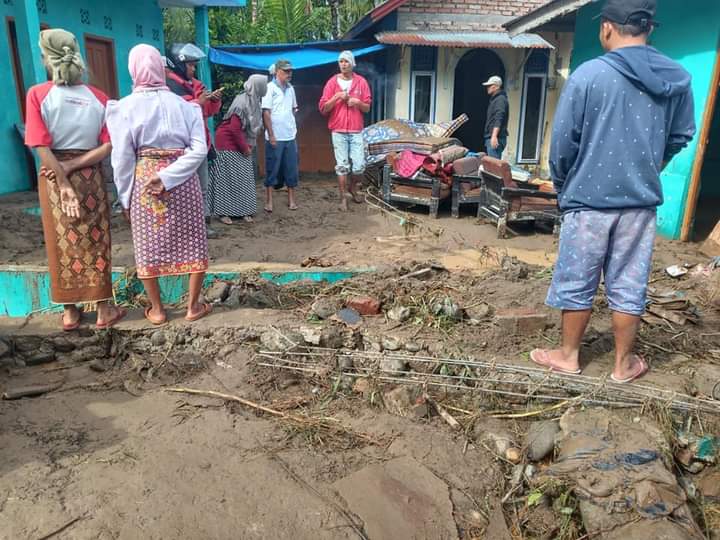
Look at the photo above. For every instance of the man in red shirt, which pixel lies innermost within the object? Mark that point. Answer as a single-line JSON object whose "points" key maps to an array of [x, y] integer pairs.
{"points": [[181, 81], [345, 99]]}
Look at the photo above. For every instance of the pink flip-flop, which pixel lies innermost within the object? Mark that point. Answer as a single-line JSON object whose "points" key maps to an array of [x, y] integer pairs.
{"points": [[119, 315], [535, 356], [644, 368]]}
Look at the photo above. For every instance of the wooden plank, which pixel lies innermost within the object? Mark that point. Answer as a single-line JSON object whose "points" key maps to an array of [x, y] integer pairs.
{"points": [[695, 180]]}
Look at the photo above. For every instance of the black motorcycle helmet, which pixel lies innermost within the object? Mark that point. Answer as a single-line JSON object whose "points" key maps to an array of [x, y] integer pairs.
{"points": [[180, 53]]}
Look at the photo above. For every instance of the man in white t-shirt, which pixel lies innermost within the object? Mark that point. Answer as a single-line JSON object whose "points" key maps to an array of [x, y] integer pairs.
{"points": [[281, 157]]}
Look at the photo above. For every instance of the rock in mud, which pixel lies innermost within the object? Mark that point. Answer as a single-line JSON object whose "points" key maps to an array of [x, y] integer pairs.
{"points": [[406, 401], [258, 300], [87, 354], [4, 348], [391, 343], [234, 299], [413, 346], [272, 340], [62, 345], [324, 308], [394, 366], [498, 441], [399, 314], [218, 291], [40, 357], [158, 338], [311, 335], [28, 344], [540, 439], [478, 313], [521, 321]]}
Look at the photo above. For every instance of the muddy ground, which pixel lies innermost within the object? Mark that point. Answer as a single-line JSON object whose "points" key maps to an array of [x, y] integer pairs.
{"points": [[112, 453]]}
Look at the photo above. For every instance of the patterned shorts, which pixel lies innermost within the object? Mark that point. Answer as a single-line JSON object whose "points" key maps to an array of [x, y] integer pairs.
{"points": [[615, 244]]}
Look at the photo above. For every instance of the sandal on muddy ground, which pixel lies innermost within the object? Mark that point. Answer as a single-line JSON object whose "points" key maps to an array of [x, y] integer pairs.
{"points": [[119, 315], [72, 326], [206, 310], [637, 373], [536, 358], [156, 322]]}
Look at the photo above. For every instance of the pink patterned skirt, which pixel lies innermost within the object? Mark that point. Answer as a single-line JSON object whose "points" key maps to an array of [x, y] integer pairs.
{"points": [[168, 230]]}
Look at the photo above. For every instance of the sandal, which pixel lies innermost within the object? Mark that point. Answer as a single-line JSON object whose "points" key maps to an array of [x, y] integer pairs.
{"points": [[268, 210], [119, 315], [206, 310], [248, 219], [155, 321], [72, 326], [226, 220], [644, 368], [547, 363], [293, 207]]}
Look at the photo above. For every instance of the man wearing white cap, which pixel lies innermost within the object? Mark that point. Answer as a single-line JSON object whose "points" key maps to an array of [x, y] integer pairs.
{"points": [[497, 118], [345, 99]]}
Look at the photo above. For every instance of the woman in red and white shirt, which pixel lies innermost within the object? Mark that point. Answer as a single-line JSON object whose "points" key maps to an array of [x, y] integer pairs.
{"points": [[65, 125]]}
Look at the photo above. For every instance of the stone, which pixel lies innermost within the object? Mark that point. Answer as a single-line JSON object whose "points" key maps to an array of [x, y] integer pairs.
{"points": [[361, 386], [324, 308], [477, 314], [19, 362], [28, 344], [399, 314], [391, 343], [513, 455], [63, 345], [499, 441], [399, 499], [87, 354], [521, 321], [311, 335], [345, 363], [98, 366], [364, 305], [540, 439], [234, 299], [413, 346], [158, 338], [41, 357], [4, 348], [258, 300], [332, 338], [280, 340], [218, 291], [394, 366], [406, 401]]}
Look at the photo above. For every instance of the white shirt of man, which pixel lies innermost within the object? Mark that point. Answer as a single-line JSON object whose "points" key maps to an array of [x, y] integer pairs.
{"points": [[281, 104], [345, 84]]}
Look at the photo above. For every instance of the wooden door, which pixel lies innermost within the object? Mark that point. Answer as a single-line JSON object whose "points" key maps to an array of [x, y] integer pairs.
{"points": [[102, 71]]}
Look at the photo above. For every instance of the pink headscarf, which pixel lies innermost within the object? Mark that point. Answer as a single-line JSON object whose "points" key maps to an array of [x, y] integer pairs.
{"points": [[147, 68]]}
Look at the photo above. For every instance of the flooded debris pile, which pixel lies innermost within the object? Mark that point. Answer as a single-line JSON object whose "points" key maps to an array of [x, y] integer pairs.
{"points": [[519, 384]]}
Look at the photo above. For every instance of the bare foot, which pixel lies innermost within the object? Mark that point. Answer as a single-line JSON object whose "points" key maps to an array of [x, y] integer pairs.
{"points": [[155, 316], [248, 219], [71, 316], [556, 360], [197, 311], [226, 220], [343, 204]]}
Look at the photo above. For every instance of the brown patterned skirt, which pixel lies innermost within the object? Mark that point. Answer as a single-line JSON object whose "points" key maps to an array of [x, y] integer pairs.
{"points": [[78, 250]]}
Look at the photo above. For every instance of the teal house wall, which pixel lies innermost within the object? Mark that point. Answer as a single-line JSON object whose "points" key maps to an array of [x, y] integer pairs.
{"points": [[689, 33], [125, 22]]}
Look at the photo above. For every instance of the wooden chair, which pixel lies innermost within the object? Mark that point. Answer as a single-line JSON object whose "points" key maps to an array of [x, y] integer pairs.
{"points": [[504, 201], [423, 190], [467, 182]]}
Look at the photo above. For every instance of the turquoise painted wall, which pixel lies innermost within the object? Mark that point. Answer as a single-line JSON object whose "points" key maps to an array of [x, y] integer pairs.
{"points": [[127, 23], [689, 34]]}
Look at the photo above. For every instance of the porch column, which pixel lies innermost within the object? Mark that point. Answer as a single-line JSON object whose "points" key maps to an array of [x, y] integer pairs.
{"points": [[202, 40], [28, 30]]}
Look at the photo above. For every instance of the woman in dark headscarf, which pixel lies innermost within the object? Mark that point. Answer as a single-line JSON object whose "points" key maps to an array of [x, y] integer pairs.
{"points": [[66, 125], [232, 191]]}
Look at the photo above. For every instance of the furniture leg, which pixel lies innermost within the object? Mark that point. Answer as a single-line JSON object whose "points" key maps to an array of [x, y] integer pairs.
{"points": [[455, 198]]}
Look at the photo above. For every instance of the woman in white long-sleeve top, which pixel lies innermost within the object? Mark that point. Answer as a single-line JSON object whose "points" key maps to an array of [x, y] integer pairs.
{"points": [[158, 142]]}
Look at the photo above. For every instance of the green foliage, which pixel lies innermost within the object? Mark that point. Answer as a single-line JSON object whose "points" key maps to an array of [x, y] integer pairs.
{"points": [[178, 25]]}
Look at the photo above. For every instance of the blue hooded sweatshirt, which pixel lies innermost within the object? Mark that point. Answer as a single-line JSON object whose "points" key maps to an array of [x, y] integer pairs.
{"points": [[620, 117]]}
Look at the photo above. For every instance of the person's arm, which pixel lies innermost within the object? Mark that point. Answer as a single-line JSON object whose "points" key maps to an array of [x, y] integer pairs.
{"points": [[123, 155], [328, 100], [238, 135], [179, 171], [567, 131], [267, 122], [363, 102], [69, 203], [88, 159], [499, 119], [681, 128]]}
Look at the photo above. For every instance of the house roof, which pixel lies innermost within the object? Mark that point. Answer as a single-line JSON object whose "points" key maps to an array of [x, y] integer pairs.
{"points": [[543, 15], [496, 40], [374, 16]]}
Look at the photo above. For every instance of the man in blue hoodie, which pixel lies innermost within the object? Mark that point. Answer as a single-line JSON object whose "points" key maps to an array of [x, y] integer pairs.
{"points": [[620, 120]]}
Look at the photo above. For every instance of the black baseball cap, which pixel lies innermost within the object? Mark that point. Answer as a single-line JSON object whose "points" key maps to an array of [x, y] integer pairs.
{"points": [[638, 12]]}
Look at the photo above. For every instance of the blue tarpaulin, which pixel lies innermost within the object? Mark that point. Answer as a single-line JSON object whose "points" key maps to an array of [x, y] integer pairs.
{"points": [[259, 58]]}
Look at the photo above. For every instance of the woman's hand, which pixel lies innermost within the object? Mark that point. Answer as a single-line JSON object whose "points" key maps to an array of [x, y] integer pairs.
{"points": [[155, 185], [69, 203]]}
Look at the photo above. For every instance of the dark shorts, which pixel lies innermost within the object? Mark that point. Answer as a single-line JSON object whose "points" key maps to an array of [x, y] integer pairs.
{"points": [[614, 244], [281, 161]]}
